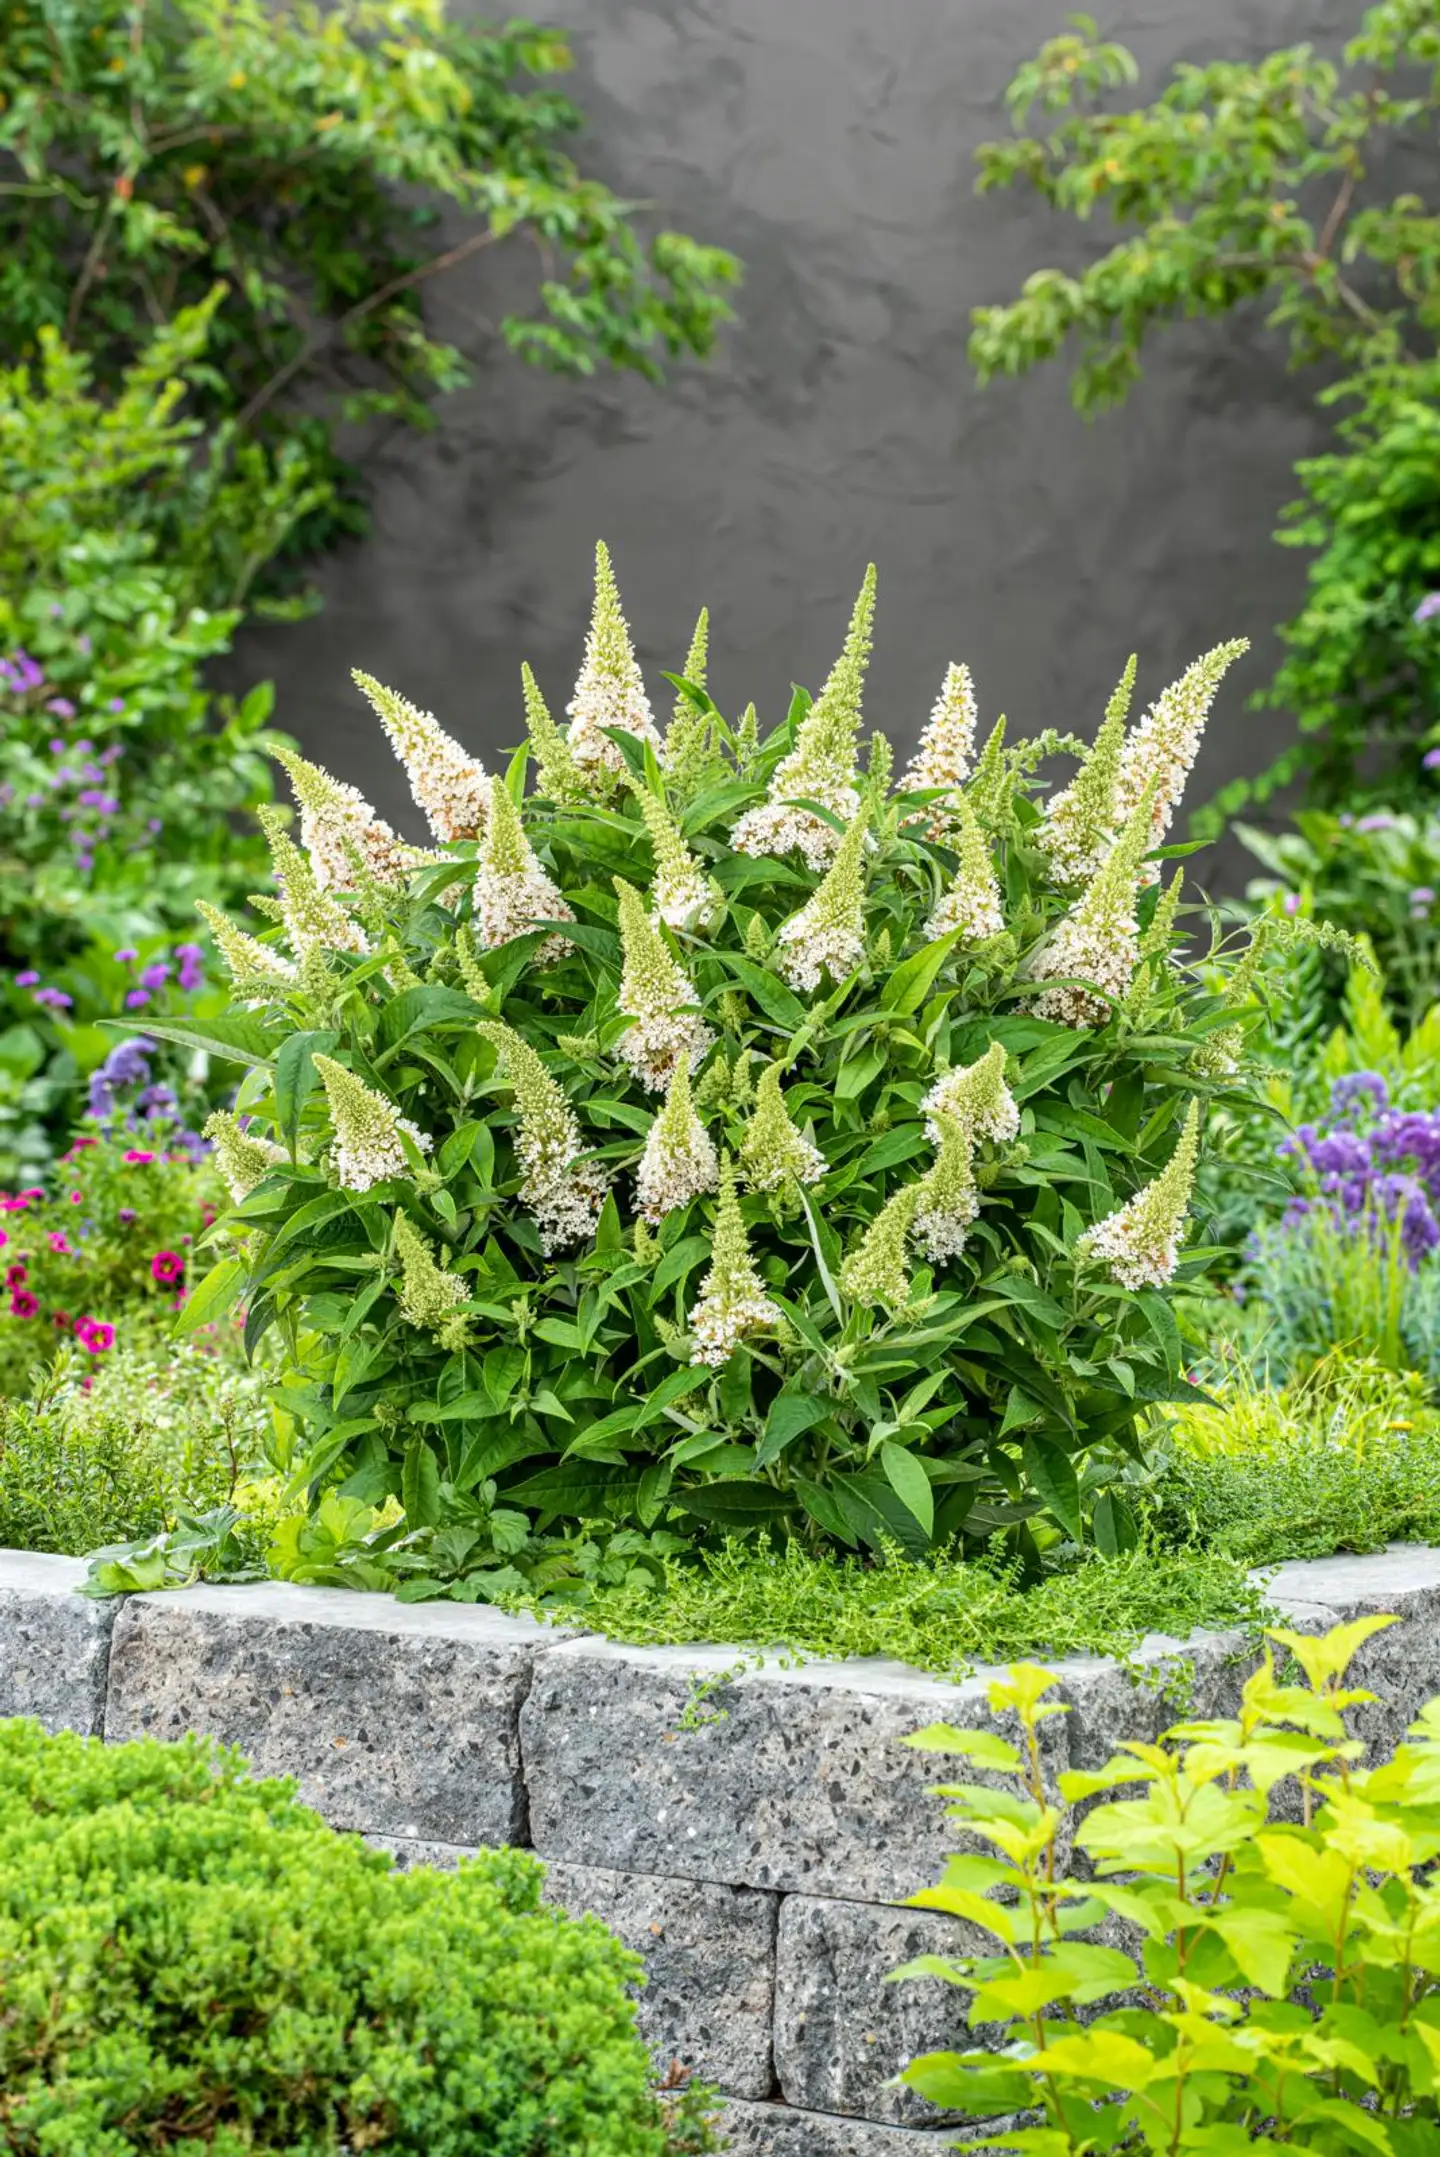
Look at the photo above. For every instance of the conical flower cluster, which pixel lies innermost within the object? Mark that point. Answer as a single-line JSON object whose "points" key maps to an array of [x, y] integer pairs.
{"points": [[451, 787], [654, 991], [258, 972], [564, 1193], [1099, 941], [732, 1302], [512, 891], [977, 1098], [1159, 754], [948, 1200], [429, 1295], [1140, 1243], [609, 691], [992, 781], [339, 830], [369, 1130], [773, 1153], [877, 1271], [821, 766], [946, 749], [557, 775], [689, 745], [679, 1161], [828, 933], [1082, 821], [314, 920], [972, 902], [242, 1158], [681, 893]]}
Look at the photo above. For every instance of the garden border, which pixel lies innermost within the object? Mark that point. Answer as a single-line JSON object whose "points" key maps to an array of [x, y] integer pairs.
{"points": [[747, 1823]]}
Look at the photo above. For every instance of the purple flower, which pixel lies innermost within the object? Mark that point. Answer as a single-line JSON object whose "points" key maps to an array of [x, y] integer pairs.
{"points": [[116, 704], [126, 953], [1431, 760], [1292, 902], [1358, 1097], [28, 979], [57, 747], [155, 975], [136, 999], [1378, 820], [54, 999], [1422, 895], [192, 970], [34, 801], [62, 707], [1428, 608], [84, 863], [153, 823]]}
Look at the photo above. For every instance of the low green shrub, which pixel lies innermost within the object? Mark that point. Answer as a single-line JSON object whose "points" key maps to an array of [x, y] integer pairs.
{"points": [[721, 1136], [125, 1452], [190, 1957], [1345, 1458], [1277, 1984]]}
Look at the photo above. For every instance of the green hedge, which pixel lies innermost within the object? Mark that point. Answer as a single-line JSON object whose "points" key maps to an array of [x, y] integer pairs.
{"points": [[191, 1959]]}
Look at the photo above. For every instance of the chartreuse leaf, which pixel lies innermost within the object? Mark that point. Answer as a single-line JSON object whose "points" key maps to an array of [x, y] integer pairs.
{"points": [[212, 1297]]}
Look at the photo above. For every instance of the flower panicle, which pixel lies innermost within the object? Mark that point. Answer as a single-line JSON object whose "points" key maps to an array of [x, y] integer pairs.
{"points": [[733, 1302], [977, 1098], [1140, 1242], [679, 1161], [609, 691], [558, 776], [689, 738], [341, 833], [258, 972], [948, 1199], [564, 1193], [877, 1271], [371, 1135], [654, 992], [315, 920], [827, 935], [243, 1158], [450, 786], [512, 891], [821, 767], [1082, 821], [1160, 752], [429, 1294], [972, 901], [773, 1153], [681, 893], [946, 749], [1090, 958]]}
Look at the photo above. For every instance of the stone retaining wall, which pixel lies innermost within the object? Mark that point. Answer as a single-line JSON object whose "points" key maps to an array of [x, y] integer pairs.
{"points": [[747, 1829]]}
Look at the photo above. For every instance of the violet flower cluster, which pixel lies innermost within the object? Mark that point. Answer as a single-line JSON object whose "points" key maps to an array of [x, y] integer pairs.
{"points": [[152, 1113], [1370, 1166]]}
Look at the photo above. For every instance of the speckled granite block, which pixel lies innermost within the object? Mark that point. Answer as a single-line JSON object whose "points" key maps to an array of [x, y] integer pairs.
{"points": [[751, 2130], [396, 1718], [54, 1644], [795, 1779]]}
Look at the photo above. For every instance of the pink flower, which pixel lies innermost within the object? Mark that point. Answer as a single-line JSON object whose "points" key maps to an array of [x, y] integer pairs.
{"points": [[23, 1304], [75, 1198], [58, 1243], [139, 1158], [94, 1335], [167, 1266], [15, 1275], [61, 1319]]}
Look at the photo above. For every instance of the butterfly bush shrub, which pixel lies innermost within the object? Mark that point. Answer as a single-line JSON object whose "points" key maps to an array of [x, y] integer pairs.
{"points": [[725, 1133]]}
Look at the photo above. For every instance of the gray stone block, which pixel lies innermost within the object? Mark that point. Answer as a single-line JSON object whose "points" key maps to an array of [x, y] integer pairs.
{"points": [[750, 2130], [1400, 1665], [795, 1778], [841, 2032], [709, 1956], [1161, 1682], [54, 1644], [395, 1718]]}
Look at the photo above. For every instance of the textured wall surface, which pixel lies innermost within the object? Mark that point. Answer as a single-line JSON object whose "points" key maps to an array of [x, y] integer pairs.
{"points": [[830, 143]]}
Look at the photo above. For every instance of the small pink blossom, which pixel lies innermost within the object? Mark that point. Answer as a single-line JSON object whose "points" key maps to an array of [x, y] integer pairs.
{"points": [[167, 1266], [140, 1159], [23, 1304]]}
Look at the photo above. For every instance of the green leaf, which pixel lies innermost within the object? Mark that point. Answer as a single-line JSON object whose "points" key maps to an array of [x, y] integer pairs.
{"points": [[911, 982], [768, 990], [738, 1504], [791, 1414], [420, 1486], [212, 1297], [909, 1482], [294, 1080], [1051, 1473], [1114, 1525], [690, 1252], [237, 1040]]}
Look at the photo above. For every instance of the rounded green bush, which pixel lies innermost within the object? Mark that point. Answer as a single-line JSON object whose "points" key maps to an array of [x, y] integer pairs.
{"points": [[191, 1959]]}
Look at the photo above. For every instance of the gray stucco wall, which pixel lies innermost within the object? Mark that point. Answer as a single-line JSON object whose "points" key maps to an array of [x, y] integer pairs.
{"points": [[830, 142]]}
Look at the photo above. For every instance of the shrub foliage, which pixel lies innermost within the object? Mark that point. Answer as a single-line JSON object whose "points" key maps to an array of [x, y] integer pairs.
{"points": [[189, 1956], [720, 1135]]}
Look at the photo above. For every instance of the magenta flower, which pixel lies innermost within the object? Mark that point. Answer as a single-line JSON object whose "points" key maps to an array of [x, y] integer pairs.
{"points": [[58, 1243], [15, 1275], [167, 1266], [94, 1335], [23, 1304], [126, 1214], [141, 1160]]}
